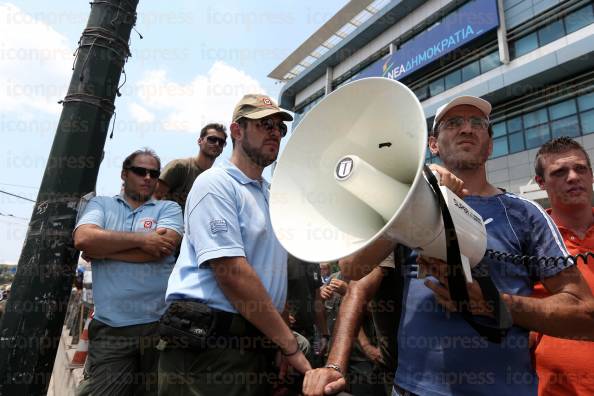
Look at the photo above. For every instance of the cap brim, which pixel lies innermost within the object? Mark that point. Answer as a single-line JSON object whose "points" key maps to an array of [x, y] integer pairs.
{"points": [[481, 104], [268, 112]]}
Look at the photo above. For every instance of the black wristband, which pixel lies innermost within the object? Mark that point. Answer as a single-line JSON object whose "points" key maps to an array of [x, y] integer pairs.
{"points": [[290, 354]]}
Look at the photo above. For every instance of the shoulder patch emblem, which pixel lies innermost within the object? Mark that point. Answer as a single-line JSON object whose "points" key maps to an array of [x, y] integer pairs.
{"points": [[218, 226]]}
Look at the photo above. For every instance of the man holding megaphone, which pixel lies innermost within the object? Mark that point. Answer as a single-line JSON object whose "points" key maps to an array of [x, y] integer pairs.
{"points": [[439, 353]]}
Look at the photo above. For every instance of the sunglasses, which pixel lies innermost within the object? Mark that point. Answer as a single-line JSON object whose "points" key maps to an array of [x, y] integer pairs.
{"points": [[458, 122], [142, 172], [270, 126], [216, 140]]}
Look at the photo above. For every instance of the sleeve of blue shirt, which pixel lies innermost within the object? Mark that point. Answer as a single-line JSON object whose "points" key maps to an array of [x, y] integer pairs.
{"points": [[214, 229], [170, 216], [546, 241], [94, 213]]}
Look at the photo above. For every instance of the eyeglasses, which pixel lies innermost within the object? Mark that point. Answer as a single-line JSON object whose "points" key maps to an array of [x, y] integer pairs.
{"points": [[458, 122], [216, 140], [270, 125], [142, 172]]}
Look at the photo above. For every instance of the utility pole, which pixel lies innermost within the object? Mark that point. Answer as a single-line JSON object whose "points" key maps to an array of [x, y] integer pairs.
{"points": [[31, 327]]}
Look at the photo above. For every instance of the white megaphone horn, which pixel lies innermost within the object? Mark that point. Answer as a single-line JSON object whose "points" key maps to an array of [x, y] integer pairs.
{"points": [[353, 172]]}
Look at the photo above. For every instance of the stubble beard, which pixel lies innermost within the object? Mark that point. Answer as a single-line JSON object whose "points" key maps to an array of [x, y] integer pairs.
{"points": [[256, 156], [136, 196], [210, 156], [465, 160]]}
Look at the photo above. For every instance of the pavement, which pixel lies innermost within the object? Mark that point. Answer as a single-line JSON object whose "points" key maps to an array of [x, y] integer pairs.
{"points": [[65, 377]]}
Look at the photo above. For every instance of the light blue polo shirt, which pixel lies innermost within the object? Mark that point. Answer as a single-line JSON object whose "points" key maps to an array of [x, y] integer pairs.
{"points": [[127, 293], [227, 215]]}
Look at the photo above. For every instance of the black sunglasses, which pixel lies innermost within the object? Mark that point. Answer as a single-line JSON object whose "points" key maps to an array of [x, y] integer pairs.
{"points": [[142, 172], [270, 125], [216, 140]]}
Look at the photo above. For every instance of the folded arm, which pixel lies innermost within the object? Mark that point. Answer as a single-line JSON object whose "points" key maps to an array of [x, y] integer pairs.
{"points": [[96, 242]]}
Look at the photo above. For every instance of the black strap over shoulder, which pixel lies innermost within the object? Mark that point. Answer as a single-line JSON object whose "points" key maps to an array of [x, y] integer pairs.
{"points": [[496, 331]]}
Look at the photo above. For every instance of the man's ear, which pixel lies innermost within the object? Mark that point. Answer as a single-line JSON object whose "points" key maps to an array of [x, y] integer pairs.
{"points": [[433, 147], [236, 131], [540, 181]]}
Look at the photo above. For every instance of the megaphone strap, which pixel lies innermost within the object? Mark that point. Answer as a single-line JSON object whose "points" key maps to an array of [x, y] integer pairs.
{"points": [[457, 282]]}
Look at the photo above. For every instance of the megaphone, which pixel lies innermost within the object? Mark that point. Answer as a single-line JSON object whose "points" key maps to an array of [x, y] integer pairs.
{"points": [[352, 172]]}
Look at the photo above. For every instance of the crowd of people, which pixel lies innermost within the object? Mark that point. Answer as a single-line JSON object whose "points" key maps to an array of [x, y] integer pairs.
{"points": [[194, 294]]}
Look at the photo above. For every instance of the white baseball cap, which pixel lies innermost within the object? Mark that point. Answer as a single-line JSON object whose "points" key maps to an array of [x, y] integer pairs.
{"points": [[481, 104]]}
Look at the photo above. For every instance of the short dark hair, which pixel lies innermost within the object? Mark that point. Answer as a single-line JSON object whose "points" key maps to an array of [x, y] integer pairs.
{"points": [[242, 124], [558, 145], [144, 151], [216, 126]]}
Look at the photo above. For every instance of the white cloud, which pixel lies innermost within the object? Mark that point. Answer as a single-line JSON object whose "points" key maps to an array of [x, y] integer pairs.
{"points": [[206, 98], [35, 64], [140, 114]]}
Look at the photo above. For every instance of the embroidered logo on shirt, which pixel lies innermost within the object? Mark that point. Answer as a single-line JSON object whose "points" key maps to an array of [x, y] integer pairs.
{"points": [[145, 224], [218, 226]]}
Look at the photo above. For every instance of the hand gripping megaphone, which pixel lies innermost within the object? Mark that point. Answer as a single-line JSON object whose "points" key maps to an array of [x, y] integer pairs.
{"points": [[353, 172]]}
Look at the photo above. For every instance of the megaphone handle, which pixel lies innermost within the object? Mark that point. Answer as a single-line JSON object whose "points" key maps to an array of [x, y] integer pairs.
{"points": [[457, 279]]}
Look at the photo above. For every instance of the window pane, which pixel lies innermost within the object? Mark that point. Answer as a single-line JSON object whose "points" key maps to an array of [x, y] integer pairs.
{"points": [[535, 118], [586, 102], [525, 45], [562, 109], [422, 92], [566, 127], [551, 32], [470, 71], [516, 142], [436, 87], [537, 136], [453, 79], [490, 61], [499, 129], [587, 119], [499, 147], [514, 124], [578, 19]]}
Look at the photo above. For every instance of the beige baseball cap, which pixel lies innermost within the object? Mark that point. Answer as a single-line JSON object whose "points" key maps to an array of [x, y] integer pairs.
{"points": [[256, 106], [481, 104]]}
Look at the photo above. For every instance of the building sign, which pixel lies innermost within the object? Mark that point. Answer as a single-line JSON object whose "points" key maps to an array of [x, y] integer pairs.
{"points": [[468, 22]]}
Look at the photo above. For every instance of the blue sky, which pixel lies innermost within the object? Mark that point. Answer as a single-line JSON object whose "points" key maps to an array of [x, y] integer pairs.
{"points": [[196, 59]]}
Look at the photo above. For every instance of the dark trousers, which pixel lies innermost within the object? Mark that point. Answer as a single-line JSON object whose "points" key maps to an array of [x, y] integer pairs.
{"points": [[123, 360], [215, 371]]}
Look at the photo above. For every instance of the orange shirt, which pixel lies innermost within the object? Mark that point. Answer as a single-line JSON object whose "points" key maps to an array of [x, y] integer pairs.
{"points": [[566, 367]]}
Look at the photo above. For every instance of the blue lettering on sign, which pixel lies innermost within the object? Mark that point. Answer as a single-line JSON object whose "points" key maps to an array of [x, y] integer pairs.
{"points": [[458, 28]]}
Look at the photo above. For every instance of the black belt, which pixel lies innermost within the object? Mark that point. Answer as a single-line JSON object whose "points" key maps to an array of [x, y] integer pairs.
{"points": [[193, 323]]}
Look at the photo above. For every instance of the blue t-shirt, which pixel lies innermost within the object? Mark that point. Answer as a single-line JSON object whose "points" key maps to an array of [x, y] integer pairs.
{"points": [[127, 293], [438, 352], [227, 215]]}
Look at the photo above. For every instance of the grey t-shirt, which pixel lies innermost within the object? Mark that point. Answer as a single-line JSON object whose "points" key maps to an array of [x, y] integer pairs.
{"points": [[179, 175]]}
